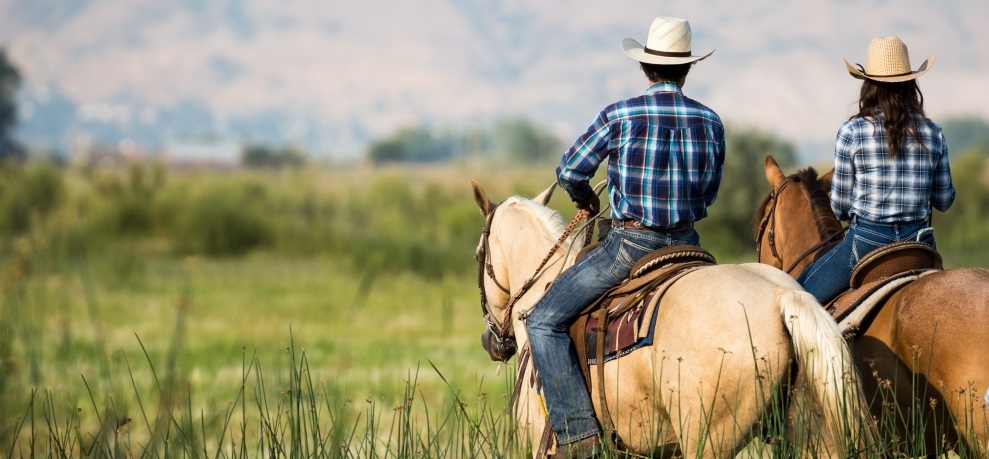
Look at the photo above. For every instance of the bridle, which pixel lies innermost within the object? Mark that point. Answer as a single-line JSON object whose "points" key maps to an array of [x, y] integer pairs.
{"points": [[502, 331], [767, 226]]}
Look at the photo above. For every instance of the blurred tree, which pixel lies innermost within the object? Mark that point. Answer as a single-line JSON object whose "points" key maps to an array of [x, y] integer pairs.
{"points": [[966, 133], [414, 145], [513, 139], [258, 156], [964, 227], [520, 139], [728, 228], [10, 81]]}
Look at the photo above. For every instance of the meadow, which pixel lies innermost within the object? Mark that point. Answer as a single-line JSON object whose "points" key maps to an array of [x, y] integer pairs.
{"points": [[312, 312]]}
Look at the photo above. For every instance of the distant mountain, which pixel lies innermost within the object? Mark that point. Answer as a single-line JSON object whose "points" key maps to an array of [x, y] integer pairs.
{"points": [[332, 77]]}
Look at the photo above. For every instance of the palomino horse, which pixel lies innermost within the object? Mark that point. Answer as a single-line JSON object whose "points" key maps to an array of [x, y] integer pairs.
{"points": [[726, 338], [925, 353]]}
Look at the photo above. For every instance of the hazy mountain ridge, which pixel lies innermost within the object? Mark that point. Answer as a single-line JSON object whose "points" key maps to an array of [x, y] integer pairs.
{"points": [[330, 77]]}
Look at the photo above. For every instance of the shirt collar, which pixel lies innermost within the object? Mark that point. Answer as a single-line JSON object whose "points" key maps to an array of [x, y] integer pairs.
{"points": [[664, 86]]}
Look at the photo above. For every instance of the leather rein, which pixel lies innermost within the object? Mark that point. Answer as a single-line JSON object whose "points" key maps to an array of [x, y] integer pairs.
{"points": [[767, 226], [502, 331]]}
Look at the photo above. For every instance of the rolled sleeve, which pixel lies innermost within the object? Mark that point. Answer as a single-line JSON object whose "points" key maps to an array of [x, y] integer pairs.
{"points": [[942, 190], [844, 172]]}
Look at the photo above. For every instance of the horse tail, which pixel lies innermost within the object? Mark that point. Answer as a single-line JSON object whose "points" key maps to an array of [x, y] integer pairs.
{"points": [[830, 374]]}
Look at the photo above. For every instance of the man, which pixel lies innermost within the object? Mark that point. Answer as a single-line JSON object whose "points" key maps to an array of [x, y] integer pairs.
{"points": [[665, 154]]}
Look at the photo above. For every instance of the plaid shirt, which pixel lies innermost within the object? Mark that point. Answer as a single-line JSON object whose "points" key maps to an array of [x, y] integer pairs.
{"points": [[869, 184], [665, 156]]}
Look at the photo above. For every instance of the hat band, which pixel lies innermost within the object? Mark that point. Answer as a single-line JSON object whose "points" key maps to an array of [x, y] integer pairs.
{"points": [[666, 53], [862, 69], [887, 76]]}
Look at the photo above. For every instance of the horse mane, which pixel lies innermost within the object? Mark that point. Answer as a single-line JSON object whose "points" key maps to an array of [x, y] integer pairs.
{"points": [[551, 220], [820, 202]]}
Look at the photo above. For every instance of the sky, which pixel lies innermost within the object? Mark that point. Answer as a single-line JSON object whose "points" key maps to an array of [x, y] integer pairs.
{"points": [[333, 75]]}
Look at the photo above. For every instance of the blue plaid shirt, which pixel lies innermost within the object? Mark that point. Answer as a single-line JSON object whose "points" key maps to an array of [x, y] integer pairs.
{"points": [[869, 184], [665, 156]]}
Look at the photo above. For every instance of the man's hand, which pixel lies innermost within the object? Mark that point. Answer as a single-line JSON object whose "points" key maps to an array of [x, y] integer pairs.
{"points": [[591, 205]]}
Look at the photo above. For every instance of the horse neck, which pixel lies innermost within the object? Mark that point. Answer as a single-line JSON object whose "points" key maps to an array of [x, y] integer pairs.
{"points": [[799, 227], [525, 239]]}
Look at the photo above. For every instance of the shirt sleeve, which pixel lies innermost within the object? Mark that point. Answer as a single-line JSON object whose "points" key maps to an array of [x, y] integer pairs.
{"points": [[580, 162], [844, 172], [714, 182], [942, 190]]}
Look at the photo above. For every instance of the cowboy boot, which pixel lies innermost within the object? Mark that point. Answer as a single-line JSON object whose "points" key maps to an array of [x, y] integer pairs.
{"points": [[585, 448]]}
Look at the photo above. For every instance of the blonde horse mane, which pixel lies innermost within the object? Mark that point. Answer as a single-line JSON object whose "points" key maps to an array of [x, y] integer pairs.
{"points": [[548, 219]]}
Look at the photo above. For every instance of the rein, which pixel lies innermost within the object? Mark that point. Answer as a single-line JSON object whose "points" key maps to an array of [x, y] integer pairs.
{"points": [[501, 330], [769, 221]]}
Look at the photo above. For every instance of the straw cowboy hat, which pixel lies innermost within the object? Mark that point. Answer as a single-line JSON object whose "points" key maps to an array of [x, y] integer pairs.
{"points": [[668, 43], [888, 62]]}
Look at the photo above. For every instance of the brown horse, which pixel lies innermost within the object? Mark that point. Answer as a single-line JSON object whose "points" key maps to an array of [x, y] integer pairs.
{"points": [[725, 340], [924, 355]]}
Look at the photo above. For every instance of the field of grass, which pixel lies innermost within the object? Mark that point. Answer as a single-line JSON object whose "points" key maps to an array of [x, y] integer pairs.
{"points": [[102, 325], [304, 313]]}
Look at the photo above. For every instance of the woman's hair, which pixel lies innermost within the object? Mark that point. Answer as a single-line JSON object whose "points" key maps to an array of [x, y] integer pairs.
{"points": [[895, 101], [656, 72]]}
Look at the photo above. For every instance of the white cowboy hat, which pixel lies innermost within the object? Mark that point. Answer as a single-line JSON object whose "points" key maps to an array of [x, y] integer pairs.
{"points": [[668, 43], [888, 61]]}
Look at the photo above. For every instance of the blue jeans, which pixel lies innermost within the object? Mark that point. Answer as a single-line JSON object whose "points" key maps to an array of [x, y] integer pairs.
{"points": [[829, 275], [607, 265]]}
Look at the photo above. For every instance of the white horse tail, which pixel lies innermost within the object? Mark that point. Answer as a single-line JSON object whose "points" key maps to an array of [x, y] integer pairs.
{"points": [[829, 373]]}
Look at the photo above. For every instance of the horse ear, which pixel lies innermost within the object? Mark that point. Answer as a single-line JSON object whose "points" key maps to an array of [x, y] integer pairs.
{"points": [[773, 172], [481, 198], [826, 178], [543, 198]]}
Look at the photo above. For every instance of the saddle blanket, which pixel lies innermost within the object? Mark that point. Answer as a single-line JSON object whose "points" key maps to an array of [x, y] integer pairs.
{"points": [[625, 333]]}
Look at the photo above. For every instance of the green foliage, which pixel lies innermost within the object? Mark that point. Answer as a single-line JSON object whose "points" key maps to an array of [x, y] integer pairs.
{"points": [[255, 155], [510, 139], [522, 140], [10, 81], [422, 229], [413, 145], [123, 202], [222, 219], [967, 133], [28, 194], [964, 228], [352, 261], [728, 228]]}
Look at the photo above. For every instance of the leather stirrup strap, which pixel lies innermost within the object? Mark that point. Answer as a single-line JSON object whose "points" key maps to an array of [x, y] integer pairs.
{"points": [[546, 440], [579, 338], [605, 416]]}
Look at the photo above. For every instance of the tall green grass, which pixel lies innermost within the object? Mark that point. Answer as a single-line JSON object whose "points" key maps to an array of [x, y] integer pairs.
{"points": [[297, 313]]}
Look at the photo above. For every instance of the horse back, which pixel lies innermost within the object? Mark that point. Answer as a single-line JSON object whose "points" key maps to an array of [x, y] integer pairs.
{"points": [[929, 338]]}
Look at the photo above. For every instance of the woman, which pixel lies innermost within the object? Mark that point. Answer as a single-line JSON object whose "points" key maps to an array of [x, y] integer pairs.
{"points": [[890, 167]]}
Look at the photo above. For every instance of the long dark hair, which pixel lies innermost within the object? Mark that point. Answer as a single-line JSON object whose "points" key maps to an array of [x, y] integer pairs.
{"points": [[895, 102]]}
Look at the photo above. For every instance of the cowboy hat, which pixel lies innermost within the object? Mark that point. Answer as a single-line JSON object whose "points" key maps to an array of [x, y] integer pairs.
{"points": [[888, 62], [668, 43]]}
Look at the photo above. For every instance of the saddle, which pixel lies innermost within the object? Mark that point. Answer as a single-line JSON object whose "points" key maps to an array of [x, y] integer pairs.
{"points": [[878, 275], [627, 309], [622, 319]]}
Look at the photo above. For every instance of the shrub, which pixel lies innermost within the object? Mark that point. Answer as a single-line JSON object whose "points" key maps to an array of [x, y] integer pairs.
{"points": [[225, 219]]}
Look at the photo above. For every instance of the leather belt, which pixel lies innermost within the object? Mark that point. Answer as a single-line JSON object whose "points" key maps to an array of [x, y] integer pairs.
{"points": [[634, 225]]}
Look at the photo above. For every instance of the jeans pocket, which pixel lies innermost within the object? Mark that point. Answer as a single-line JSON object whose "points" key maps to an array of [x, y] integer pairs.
{"points": [[862, 246], [628, 253]]}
